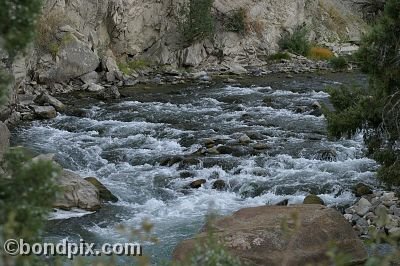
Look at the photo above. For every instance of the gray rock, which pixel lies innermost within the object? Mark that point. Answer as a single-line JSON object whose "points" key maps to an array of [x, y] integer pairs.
{"points": [[76, 192], [362, 207], [244, 139], [45, 98], [104, 193], [197, 183], [4, 139], [92, 87], [91, 77], [109, 93], [75, 60], [44, 112], [313, 199], [256, 236]]}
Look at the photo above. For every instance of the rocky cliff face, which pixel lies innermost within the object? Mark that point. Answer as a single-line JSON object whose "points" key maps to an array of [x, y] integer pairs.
{"points": [[147, 28]]}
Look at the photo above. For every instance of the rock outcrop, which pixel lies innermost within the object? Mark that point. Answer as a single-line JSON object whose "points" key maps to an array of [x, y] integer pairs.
{"points": [[282, 235]]}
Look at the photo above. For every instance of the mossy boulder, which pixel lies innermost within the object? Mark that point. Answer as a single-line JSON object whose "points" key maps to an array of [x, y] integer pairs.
{"points": [[104, 193], [361, 189], [313, 199]]}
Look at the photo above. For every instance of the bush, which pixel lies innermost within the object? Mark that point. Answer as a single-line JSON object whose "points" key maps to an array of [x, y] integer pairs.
{"points": [[297, 42], [195, 20], [338, 63], [279, 56], [129, 67], [320, 53], [237, 21]]}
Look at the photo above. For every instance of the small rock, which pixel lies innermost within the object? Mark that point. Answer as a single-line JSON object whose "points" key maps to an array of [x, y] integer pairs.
{"points": [[313, 199], [390, 196], [260, 146], [197, 183], [44, 98], [93, 87], [362, 207], [244, 139], [44, 112], [348, 217], [109, 93], [225, 150], [209, 143], [170, 161], [316, 105], [213, 150], [186, 174], [361, 189], [284, 202], [219, 185], [104, 193], [187, 162], [362, 222]]}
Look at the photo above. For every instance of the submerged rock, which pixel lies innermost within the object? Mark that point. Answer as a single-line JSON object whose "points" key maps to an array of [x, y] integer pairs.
{"points": [[256, 236], [104, 193]]}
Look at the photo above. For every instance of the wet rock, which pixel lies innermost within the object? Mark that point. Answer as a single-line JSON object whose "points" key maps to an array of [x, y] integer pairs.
{"points": [[76, 192], [209, 143], [104, 193], [362, 207], [186, 174], [213, 150], [244, 139], [284, 202], [110, 93], [361, 189], [329, 155], [301, 109], [44, 112], [198, 183], [260, 146], [4, 139], [45, 98], [187, 162], [256, 236], [219, 185], [225, 150], [313, 199], [170, 161]]}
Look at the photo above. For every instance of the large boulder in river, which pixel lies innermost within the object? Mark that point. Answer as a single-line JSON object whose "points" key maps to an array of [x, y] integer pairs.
{"points": [[76, 192], [104, 193], [109, 93], [4, 139], [45, 98], [257, 236], [44, 112]]}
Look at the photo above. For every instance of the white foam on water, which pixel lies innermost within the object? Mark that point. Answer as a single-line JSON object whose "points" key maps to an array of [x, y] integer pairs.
{"points": [[58, 214]]}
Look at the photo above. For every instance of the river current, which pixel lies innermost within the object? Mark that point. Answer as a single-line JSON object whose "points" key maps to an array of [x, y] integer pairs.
{"points": [[123, 142]]}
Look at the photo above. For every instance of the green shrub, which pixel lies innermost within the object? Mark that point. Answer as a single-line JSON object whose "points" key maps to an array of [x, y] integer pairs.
{"points": [[338, 63], [237, 21], [297, 42], [279, 56], [195, 20], [129, 67], [27, 193]]}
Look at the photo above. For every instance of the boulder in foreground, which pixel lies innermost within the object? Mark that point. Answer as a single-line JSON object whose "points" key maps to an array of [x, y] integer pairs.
{"points": [[256, 236]]}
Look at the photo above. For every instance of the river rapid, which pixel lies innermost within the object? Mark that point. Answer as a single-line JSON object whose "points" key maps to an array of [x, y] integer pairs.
{"points": [[123, 142]]}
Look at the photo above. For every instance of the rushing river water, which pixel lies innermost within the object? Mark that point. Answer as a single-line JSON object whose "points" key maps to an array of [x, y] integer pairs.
{"points": [[122, 143]]}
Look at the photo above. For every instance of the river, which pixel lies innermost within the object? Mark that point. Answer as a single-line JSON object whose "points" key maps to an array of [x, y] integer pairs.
{"points": [[122, 143]]}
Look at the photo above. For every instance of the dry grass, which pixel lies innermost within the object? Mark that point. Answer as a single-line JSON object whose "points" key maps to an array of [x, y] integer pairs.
{"points": [[320, 53]]}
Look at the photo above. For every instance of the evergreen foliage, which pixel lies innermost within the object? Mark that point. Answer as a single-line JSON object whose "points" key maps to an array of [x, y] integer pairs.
{"points": [[195, 20], [375, 111], [297, 42]]}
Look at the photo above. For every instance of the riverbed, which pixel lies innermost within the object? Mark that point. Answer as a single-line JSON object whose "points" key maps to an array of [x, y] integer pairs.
{"points": [[122, 143]]}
